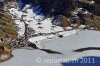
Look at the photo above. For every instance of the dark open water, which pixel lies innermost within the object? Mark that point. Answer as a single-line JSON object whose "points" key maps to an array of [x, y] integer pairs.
{"points": [[86, 61]]}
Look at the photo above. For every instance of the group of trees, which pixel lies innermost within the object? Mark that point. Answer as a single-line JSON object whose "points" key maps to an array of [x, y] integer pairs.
{"points": [[58, 7], [48, 7], [55, 8]]}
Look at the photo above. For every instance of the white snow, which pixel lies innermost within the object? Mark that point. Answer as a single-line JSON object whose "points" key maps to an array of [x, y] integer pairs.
{"points": [[73, 39], [68, 33], [92, 2], [22, 26], [82, 26], [36, 39], [44, 27], [32, 20], [39, 40], [64, 45], [50, 36], [15, 12]]}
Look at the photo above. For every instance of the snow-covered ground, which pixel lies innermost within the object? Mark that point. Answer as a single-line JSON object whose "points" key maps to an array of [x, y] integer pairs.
{"points": [[32, 20], [38, 25], [73, 39], [64, 45]]}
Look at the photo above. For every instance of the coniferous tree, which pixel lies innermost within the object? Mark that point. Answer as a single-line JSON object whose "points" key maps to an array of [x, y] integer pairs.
{"points": [[55, 8]]}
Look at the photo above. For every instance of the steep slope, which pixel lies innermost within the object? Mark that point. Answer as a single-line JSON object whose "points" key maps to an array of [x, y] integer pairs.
{"points": [[7, 28], [77, 12]]}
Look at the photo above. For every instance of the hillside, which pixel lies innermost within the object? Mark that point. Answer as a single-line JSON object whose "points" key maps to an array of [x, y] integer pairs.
{"points": [[67, 12], [7, 28], [54, 28], [8, 32]]}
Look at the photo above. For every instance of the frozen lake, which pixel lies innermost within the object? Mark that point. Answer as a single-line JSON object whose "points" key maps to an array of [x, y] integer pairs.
{"points": [[65, 46]]}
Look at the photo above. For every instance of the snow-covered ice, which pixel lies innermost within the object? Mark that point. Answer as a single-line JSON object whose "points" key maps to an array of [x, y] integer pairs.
{"points": [[64, 45]]}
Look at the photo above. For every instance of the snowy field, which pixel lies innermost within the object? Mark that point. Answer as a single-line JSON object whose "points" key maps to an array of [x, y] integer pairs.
{"points": [[65, 46]]}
